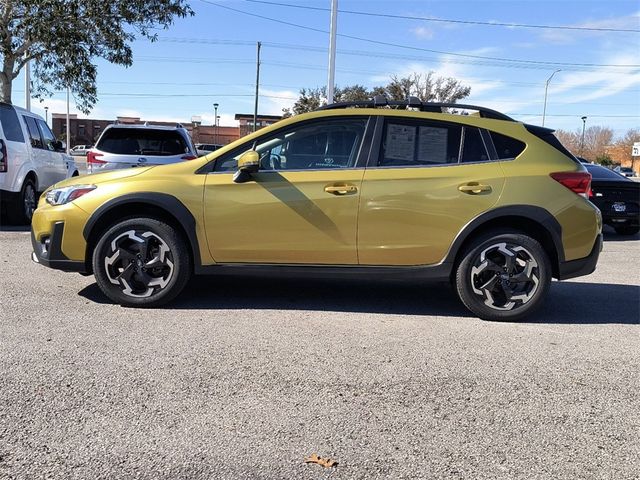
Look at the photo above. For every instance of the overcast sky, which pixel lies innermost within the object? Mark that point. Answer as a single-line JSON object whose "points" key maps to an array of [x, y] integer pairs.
{"points": [[210, 58]]}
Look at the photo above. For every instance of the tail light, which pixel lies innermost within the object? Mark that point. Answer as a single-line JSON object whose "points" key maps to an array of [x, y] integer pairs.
{"points": [[92, 157], [577, 182], [3, 157], [188, 157]]}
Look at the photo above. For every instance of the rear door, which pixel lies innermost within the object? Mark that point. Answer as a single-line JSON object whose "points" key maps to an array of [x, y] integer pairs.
{"points": [[43, 161], [425, 180]]}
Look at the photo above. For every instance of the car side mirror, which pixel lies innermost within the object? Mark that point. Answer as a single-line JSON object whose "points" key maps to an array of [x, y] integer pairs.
{"points": [[248, 163], [58, 146]]}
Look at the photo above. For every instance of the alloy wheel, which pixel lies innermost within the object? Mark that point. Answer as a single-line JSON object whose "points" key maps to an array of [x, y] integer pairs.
{"points": [[29, 200], [505, 275], [140, 262]]}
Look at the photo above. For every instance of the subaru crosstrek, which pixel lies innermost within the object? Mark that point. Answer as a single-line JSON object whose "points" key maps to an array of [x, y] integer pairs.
{"points": [[494, 206]]}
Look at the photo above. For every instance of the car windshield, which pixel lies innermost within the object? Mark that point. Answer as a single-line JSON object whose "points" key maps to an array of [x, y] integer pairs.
{"points": [[142, 141]]}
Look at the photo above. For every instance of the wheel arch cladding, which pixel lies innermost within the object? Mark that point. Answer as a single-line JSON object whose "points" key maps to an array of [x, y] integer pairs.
{"points": [[148, 204], [534, 221]]}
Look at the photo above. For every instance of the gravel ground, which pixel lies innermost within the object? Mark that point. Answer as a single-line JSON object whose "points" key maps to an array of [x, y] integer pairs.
{"points": [[391, 381]]}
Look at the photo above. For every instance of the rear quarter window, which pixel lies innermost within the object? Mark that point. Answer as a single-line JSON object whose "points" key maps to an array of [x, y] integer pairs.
{"points": [[507, 148], [132, 141], [10, 124]]}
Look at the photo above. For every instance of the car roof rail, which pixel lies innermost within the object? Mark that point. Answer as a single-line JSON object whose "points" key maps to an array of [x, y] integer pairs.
{"points": [[414, 102]]}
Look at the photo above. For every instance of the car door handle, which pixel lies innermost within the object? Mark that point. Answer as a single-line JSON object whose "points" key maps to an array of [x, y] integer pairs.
{"points": [[474, 188], [341, 189]]}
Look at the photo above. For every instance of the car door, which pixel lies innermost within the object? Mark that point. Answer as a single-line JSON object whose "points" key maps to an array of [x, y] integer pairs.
{"points": [[300, 207], [57, 161], [425, 180]]}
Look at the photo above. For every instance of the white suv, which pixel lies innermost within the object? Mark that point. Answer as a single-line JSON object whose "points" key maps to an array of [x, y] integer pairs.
{"points": [[125, 146], [31, 160]]}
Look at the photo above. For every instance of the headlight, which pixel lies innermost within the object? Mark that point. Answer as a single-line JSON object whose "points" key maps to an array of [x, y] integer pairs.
{"points": [[60, 196]]}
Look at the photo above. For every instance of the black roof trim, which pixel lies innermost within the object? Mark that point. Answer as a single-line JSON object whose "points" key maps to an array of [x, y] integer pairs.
{"points": [[413, 102]]}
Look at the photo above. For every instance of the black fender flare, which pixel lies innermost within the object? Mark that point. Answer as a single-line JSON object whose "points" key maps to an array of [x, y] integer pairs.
{"points": [[164, 201], [536, 214]]}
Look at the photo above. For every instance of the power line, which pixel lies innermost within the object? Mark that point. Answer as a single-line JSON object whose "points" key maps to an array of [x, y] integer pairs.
{"points": [[445, 20], [408, 47]]}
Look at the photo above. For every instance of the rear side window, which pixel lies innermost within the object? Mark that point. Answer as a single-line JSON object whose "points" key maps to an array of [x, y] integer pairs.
{"points": [[419, 144], [473, 148], [34, 132], [10, 124], [139, 141], [507, 148]]}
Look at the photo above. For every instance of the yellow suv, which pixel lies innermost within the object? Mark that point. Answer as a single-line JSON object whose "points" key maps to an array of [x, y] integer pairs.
{"points": [[385, 189]]}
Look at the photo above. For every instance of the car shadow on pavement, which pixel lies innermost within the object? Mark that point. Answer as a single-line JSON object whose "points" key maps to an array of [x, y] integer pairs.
{"points": [[567, 303]]}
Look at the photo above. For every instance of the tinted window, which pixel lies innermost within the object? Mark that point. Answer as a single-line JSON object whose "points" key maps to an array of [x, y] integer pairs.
{"points": [[598, 172], [406, 144], [34, 132], [139, 141], [326, 144], [473, 148], [47, 136], [506, 147], [10, 124]]}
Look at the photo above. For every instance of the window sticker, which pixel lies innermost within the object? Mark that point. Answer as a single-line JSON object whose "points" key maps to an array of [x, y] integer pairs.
{"points": [[401, 142], [432, 145]]}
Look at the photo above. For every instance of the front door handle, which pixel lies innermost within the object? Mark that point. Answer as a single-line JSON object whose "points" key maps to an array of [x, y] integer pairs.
{"points": [[341, 189], [474, 188]]}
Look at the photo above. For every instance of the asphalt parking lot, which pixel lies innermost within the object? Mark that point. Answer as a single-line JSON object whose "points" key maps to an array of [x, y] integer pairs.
{"points": [[245, 378]]}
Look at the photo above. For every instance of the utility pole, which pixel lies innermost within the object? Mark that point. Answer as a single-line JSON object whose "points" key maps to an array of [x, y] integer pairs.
{"points": [[68, 124], [255, 108], [332, 51], [27, 86], [546, 87]]}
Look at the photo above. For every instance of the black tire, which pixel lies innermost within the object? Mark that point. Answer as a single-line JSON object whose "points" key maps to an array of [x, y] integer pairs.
{"points": [[20, 212], [141, 262], [627, 229], [503, 276]]}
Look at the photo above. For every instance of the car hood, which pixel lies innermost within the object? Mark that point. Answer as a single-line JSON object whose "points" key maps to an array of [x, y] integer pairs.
{"points": [[104, 177]]}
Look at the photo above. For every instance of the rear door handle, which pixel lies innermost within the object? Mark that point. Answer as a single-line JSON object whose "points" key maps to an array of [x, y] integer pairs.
{"points": [[341, 189], [474, 188]]}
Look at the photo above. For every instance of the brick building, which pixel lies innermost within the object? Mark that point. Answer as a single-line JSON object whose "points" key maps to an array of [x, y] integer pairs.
{"points": [[86, 131]]}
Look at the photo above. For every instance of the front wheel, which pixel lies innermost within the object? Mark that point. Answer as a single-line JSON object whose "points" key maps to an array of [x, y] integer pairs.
{"points": [[503, 276], [141, 262]]}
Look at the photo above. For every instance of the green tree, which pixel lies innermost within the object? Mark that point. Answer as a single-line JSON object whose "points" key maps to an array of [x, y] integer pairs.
{"points": [[428, 88], [62, 37]]}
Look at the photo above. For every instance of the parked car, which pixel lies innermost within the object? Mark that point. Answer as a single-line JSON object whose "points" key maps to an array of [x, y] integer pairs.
{"points": [[80, 150], [625, 171], [495, 206], [617, 197], [206, 148], [125, 146], [31, 159]]}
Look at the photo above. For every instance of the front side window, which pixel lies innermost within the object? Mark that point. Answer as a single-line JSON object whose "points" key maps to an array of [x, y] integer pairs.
{"points": [[47, 135], [34, 132], [329, 144]]}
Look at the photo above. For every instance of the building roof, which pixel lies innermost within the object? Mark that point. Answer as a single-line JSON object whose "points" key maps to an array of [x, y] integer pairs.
{"points": [[249, 116]]}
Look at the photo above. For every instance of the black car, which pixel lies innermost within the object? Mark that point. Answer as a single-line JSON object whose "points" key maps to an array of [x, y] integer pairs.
{"points": [[617, 197]]}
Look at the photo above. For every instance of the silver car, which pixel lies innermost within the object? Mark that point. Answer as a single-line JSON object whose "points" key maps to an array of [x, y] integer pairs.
{"points": [[126, 146]]}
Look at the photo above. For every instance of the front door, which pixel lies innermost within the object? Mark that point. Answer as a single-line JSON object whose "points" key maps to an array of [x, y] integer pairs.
{"points": [[301, 207], [426, 181]]}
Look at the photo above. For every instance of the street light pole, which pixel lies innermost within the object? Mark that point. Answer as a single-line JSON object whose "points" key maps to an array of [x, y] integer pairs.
{"points": [[546, 88], [215, 123], [584, 124], [46, 115]]}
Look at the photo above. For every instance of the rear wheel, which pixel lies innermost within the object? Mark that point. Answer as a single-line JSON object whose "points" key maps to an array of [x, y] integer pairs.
{"points": [[503, 276], [627, 229], [20, 212], [141, 262]]}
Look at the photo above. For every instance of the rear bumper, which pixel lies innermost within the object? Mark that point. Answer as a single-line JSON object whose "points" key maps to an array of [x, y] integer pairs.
{"points": [[48, 251], [581, 266]]}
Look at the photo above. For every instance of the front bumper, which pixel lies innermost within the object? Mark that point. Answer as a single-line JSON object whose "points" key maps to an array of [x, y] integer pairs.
{"points": [[581, 266], [48, 251]]}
